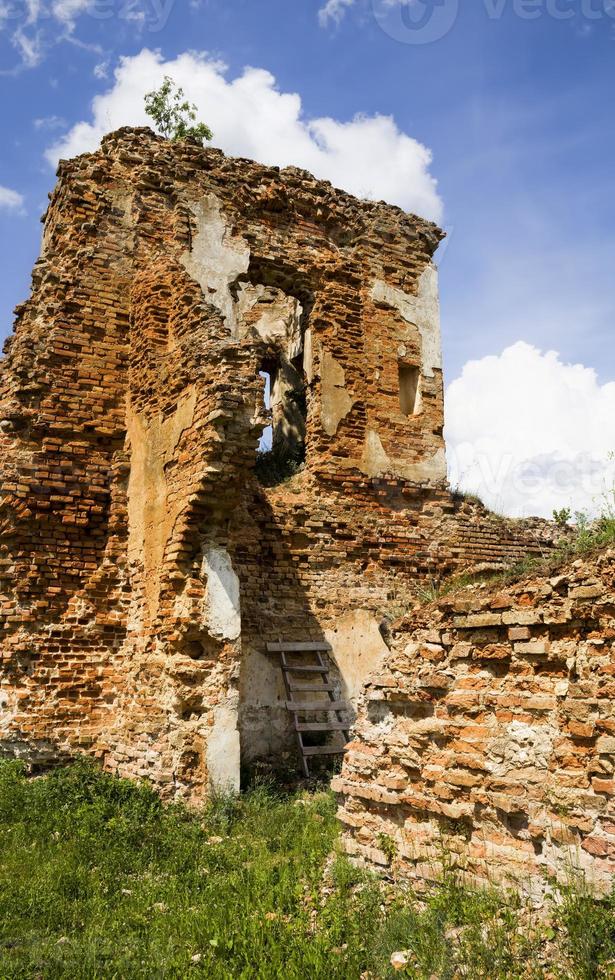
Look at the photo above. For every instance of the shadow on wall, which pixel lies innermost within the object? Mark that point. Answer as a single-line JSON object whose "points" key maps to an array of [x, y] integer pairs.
{"points": [[275, 606], [283, 586]]}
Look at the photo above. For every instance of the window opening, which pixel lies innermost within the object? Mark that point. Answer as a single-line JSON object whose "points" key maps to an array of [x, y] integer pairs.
{"points": [[281, 451], [266, 441], [409, 389]]}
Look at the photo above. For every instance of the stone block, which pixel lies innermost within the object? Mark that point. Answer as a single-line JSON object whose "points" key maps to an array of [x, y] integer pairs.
{"points": [[521, 617]]}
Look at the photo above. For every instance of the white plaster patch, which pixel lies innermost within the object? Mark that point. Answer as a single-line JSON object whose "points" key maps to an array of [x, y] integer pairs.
{"points": [[358, 650], [223, 750], [336, 400], [308, 356], [7, 711], [222, 604], [264, 720], [422, 310], [280, 317], [430, 470], [522, 746], [374, 461], [217, 258]]}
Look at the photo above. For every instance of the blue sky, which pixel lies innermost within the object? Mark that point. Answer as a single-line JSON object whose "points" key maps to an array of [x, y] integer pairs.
{"points": [[514, 103]]}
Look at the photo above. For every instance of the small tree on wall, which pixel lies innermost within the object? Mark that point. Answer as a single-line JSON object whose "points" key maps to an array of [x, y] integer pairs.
{"points": [[173, 115]]}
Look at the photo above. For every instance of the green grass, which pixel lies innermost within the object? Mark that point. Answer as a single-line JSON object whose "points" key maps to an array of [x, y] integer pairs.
{"points": [[98, 879]]}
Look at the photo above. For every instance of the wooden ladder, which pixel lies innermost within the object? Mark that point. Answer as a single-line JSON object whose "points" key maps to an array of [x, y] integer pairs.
{"points": [[316, 681]]}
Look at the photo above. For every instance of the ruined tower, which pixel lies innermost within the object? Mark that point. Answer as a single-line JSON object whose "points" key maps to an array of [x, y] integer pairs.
{"points": [[147, 550]]}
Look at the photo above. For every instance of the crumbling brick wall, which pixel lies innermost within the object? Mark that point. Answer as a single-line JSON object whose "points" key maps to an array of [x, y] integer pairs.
{"points": [[143, 564], [487, 738], [340, 562]]}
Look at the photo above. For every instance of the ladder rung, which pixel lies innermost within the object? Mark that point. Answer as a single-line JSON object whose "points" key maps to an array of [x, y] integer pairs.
{"points": [[314, 688], [322, 750], [305, 670], [322, 726], [298, 647], [317, 706]]}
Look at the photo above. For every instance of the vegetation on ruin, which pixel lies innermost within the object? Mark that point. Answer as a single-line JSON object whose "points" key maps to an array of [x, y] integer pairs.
{"points": [[99, 879], [173, 116], [274, 466], [585, 537]]}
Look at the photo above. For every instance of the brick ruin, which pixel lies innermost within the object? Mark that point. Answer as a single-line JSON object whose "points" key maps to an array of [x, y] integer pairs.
{"points": [[147, 551], [488, 737]]}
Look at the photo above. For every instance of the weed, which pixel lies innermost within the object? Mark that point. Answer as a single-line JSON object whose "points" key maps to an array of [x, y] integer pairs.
{"points": [[589, 928], [462, 496], [388, 846], [429, 590]]}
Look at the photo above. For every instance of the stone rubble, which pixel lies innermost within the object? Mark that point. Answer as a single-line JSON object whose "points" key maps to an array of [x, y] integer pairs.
{"points": [[488, 737]]}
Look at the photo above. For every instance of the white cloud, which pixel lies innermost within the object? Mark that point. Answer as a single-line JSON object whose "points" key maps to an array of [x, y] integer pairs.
{"points": [[25, 35], [29, 47], [368, 156], [33, 9], [333, 10], [529, 434], [49, 122], [35, 26], [10, 200], [67, 11]]}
